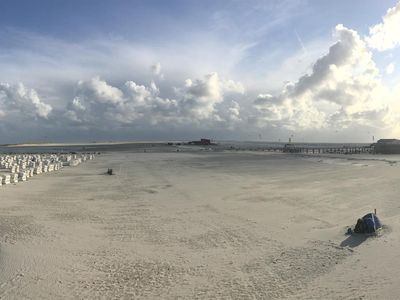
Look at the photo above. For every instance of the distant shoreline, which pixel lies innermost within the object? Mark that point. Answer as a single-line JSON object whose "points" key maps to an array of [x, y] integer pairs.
{"points": [[168, 141], [78, 144]]}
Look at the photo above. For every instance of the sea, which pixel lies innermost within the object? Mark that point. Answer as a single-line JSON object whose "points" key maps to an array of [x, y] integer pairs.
{"points": [[165, 146]]}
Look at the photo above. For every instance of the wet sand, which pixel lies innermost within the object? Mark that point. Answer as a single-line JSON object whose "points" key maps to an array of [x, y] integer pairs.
{"points": [[229, 225]]}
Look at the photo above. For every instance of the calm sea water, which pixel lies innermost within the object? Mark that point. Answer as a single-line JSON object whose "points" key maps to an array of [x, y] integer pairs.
{"points": [[159, 147]]}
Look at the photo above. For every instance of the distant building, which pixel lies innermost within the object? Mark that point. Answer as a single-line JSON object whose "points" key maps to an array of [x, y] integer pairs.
{"points": [[203, 142], [387, 146]]}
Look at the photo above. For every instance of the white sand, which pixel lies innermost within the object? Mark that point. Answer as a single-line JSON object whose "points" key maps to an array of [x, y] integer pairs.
{"points": [[201, 226]]}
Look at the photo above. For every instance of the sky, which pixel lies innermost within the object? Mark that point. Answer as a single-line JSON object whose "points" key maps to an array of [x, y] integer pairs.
{"points": [[261, 70]]}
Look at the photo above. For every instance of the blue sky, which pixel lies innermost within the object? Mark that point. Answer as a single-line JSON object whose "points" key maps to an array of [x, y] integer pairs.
{"points": [[77, 20], [70, 52]]}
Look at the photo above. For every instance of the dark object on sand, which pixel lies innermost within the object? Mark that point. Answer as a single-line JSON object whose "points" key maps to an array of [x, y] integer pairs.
{"points": [[368, 224], [110, 172]]}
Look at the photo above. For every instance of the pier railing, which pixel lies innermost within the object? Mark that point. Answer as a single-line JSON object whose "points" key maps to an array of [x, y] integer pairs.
{"points": [[321, 150]]}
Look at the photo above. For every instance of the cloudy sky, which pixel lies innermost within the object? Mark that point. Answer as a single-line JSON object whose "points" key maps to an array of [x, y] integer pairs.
{"points": [[85, 70]]}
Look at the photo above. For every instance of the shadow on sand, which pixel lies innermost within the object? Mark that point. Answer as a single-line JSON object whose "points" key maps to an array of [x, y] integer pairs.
{"points": [[354, 240]]}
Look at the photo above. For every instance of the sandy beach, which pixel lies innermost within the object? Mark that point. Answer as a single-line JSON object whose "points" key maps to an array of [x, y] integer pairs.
{"points": [[201, 225]]}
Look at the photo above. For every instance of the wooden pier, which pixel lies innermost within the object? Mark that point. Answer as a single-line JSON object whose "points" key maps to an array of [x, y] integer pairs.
{"points": [[290, 148]]}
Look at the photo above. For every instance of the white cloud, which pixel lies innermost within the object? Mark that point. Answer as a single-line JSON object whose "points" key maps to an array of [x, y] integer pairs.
{"points": [[234, 111], [390, 68], [77, 103], [22, 102], [207, 99], [199, 98], [156, 69], [98, 90], [138, 93], [386, 35], [343, 89]]}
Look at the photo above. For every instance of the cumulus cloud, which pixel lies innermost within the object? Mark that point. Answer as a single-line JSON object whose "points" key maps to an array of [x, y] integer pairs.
{"points": [[98, 90], [234, 111], [207, 99], [198, 98], [343, 88], [21, 101], [386, 35]]}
